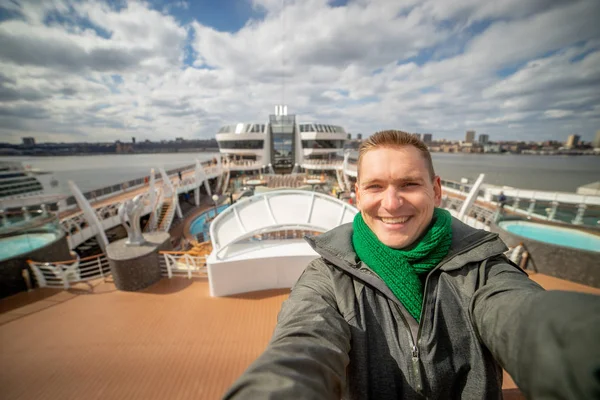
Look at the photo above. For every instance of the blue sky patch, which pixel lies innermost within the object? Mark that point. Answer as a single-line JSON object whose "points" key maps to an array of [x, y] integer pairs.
{"points": [[221, 15]]}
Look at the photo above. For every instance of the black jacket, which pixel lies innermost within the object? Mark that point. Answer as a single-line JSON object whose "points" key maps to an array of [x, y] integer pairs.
{"points": [[343, 334]]}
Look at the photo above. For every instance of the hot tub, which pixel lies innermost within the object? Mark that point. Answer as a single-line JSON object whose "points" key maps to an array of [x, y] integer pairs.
{"points": [[20, 244], [199, 224], [563, 252], [553, 234]]}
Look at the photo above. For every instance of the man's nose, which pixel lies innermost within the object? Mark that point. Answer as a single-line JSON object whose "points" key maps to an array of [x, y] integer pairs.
{"points": [[392, 199]]}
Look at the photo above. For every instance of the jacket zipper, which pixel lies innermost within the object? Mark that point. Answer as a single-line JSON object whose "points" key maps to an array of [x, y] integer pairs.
{"points": [[441, 264], [416, 370], [415, 346]]}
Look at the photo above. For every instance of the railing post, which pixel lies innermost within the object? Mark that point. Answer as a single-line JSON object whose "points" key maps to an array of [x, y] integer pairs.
{"points": [[39, 275], [100, 266], [516, 203], [187, 264], [531, 207], [63, 276], [169, 272], [580, 213], [552, 213]]}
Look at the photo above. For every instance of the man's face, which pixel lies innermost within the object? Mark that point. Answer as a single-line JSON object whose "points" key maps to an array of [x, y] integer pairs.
{"points": [[396, 195]]}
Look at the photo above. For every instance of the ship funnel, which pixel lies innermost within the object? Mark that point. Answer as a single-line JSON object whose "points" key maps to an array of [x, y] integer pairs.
{"points": [[280, 110]]}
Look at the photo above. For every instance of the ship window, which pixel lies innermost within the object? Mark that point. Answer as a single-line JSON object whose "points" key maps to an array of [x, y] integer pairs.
{"points": [[322, 144], [13, 175], [241, 144]]}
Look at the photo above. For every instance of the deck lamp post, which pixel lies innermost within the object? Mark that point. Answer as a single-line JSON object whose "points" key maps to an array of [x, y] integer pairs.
{"points": [[215, 198]]}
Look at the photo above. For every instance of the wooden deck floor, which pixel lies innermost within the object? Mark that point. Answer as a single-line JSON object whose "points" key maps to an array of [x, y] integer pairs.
{"points": [[171, 341]]}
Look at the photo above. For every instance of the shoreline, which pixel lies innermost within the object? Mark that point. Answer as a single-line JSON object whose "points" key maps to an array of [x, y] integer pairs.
{"points": [[216, 150], [191, 151]]}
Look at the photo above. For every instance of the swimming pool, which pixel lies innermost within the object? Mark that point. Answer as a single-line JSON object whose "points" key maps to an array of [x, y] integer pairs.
{"points": [[199, 225], [20, 244], [553, 234]]}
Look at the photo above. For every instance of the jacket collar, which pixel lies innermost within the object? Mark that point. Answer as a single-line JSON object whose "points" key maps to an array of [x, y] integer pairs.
{"points": [[468, 245]]}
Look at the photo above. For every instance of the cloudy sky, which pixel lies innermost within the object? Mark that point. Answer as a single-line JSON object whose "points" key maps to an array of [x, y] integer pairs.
{"points": [[102, 71]]}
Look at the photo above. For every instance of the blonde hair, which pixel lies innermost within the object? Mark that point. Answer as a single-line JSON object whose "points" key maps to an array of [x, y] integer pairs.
{"points": [[392, 138]]}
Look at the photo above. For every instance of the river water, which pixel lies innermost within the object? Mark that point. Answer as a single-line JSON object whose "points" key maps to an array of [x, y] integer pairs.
{"points": [[553, 173]]}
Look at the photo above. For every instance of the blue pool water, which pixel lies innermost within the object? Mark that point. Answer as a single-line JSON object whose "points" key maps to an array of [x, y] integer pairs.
{"points": [[21, 244], [199, 225], [553, 234]]}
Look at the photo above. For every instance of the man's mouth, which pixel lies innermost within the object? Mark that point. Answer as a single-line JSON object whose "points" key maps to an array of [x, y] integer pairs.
{"points": [[395, 220]]}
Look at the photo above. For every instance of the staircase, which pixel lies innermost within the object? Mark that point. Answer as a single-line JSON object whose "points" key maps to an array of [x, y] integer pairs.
{"points": [[165, 215], [226, 182]]}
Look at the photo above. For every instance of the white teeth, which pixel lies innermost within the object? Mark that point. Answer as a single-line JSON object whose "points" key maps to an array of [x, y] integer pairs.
{"points": [[394, 220]]}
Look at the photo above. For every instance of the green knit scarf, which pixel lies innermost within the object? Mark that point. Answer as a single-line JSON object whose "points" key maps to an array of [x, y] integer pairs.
{"points": [[400, 269]]}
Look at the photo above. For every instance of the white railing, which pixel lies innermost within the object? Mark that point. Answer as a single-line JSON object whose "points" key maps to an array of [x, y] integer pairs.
{"points": [[61, 274], [242, 165], [153, 220], [78, 229], [322, 164], [527, 202], [175, 263]]}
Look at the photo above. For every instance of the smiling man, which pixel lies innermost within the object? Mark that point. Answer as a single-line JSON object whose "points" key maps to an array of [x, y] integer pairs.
{"points": [[407, 302]]}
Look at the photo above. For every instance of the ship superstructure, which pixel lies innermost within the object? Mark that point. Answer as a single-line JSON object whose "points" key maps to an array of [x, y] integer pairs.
{"points": [[16, 182], [283, 141]]}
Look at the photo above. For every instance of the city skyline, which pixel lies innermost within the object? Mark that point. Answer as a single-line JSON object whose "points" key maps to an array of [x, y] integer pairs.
{"points": [[98, 72]]}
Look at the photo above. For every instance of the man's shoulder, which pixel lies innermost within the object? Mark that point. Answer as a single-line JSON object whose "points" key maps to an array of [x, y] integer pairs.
{"points": [[336, 242], [472, 245]]}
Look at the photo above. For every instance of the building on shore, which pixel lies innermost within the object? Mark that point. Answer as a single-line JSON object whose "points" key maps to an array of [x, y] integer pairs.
{"points": [[470, 137], [28, 141], [596, 143], [572, 141]]}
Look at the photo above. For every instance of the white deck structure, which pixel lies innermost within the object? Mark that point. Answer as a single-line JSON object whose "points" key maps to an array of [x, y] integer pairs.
{"points": [[239, 263]]}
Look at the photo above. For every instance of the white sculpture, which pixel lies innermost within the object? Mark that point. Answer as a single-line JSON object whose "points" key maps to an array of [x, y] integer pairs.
{"points": [[129, 214]]}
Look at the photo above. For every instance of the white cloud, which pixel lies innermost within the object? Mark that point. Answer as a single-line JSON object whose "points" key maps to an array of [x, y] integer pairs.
{"points": [[103, 73]]}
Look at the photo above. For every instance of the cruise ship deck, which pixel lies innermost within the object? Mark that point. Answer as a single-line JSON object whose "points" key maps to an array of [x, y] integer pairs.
{"points": [[171, 340]]}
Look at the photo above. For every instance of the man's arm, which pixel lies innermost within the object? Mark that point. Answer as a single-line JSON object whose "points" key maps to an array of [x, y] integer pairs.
{"points": [[549, 342], [308, 354]]}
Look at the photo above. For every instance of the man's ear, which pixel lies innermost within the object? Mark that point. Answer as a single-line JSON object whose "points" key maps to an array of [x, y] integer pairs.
{"points": [[357, 192], [437, 191]]}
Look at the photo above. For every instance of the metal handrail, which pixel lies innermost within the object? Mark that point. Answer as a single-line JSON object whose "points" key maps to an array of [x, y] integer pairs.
{"points": [[61, 274], [182, 264]]}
